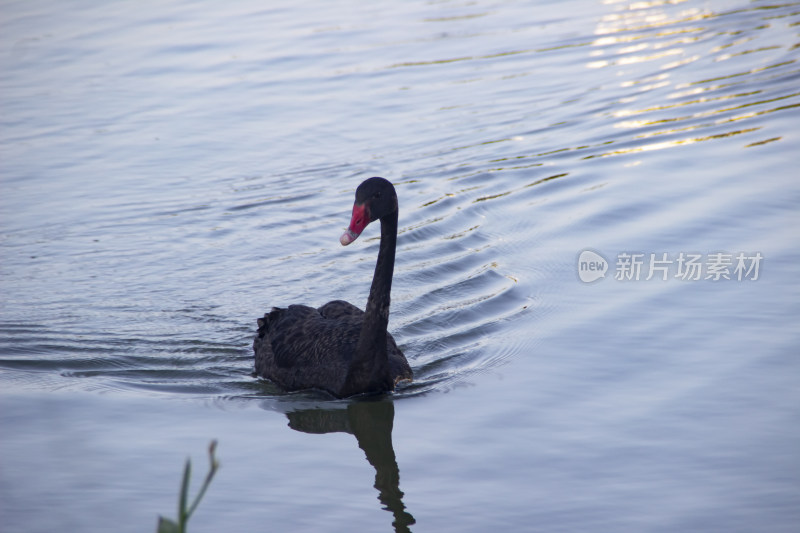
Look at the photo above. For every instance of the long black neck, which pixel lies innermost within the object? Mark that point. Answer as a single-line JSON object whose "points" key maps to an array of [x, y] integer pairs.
{"points": [[370, 363]]}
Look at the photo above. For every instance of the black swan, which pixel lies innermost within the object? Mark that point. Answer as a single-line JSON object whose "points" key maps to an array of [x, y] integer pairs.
{"points": [[339, 348]]}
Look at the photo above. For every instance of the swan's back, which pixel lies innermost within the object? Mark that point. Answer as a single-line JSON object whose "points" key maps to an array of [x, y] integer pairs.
{"points": [[300, 347]]}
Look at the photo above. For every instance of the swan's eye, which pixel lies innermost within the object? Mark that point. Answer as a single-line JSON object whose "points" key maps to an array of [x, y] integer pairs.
{"points": [[377, 194]]}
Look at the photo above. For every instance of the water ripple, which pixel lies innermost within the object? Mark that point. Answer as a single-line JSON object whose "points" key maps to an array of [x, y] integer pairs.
{"points": [[151, 281]]}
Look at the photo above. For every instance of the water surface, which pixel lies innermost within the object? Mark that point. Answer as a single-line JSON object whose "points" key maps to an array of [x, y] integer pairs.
{"points": [[169, 171]]}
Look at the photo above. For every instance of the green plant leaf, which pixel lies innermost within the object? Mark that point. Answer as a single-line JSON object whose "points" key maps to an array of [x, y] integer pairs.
{"points": [[212, 469], [168, 526], [165, 525], [184, 497]]}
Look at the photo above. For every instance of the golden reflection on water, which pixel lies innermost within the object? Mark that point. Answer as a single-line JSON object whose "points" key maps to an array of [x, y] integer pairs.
{"points": [[627, 43], [683, 72]]}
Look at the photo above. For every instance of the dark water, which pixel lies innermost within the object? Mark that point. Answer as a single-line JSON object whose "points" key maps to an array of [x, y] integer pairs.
{"points": [[169, 171]]}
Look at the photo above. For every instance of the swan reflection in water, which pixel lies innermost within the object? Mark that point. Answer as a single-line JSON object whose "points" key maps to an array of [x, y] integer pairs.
{"points": [[370, 421]]}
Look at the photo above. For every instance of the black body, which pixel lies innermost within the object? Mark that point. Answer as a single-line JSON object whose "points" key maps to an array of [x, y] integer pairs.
{"points": [[339, 348]]}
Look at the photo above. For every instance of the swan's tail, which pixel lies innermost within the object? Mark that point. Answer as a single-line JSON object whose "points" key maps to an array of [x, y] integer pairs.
{"points": [[271, 317]]}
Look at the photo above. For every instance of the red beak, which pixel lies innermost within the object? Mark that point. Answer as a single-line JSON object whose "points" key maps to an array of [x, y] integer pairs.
{"points": [[358, 222]]}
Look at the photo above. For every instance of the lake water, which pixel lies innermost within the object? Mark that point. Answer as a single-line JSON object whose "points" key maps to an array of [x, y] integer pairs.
{"points": [[596, 280]]}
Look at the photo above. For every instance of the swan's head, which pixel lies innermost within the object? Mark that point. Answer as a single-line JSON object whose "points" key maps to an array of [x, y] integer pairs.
{"points": [[375, 198]]}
